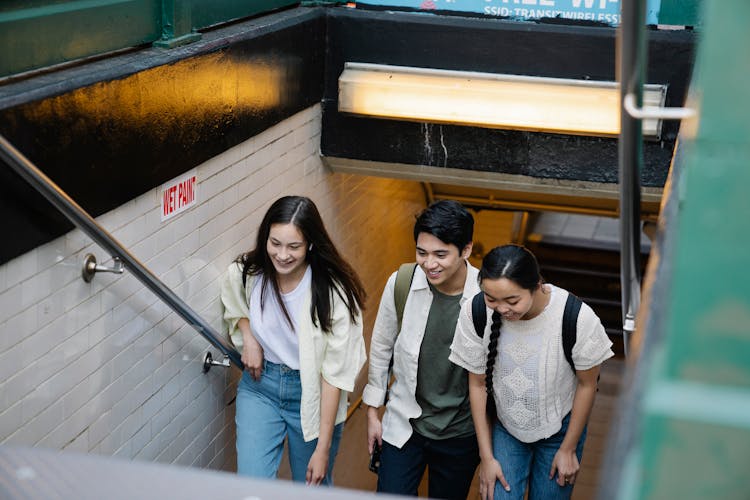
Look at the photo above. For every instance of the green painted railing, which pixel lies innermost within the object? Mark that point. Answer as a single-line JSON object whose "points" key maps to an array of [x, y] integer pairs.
{"points": [[696, 431], [687, 431], [680, 12], [41, 33]]}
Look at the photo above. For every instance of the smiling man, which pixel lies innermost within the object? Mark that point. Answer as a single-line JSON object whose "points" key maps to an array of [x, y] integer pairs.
{"points": [[427, 420]]}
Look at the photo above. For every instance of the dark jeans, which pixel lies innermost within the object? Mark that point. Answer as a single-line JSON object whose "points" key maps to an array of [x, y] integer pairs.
{"points": [[451, 462]]}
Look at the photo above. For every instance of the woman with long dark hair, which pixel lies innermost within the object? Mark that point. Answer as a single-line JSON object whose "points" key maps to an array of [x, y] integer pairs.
{"points": [[292, 306], [531, 394]]}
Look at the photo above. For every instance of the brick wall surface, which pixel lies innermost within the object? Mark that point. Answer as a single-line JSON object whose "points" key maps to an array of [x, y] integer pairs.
{"points": [[105, 367]]}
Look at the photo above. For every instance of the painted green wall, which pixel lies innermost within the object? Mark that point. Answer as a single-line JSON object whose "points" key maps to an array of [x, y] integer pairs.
{"points": [[40, 33], [681, 12], [696, 419]]}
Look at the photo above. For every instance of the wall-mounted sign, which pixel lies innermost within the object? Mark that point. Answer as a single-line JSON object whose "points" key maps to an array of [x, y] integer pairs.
{"points": [[602, 11], [179, 194]]}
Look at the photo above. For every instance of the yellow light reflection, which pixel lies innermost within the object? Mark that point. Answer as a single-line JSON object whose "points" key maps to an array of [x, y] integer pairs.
{"points": [[197, 92]]}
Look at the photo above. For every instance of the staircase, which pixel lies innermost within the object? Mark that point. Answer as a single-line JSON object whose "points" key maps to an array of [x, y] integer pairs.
{"points": [[593, 274]]}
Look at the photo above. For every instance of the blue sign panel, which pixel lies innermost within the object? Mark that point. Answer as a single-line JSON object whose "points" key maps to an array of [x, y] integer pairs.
{"points": [[603, 11]]}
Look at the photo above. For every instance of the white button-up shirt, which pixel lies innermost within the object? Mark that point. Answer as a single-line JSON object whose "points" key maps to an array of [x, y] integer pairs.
{"points": [[404, 347]]}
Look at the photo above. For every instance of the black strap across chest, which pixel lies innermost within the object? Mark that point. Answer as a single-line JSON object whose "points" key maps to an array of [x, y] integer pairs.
{"points": [[569, 322]]}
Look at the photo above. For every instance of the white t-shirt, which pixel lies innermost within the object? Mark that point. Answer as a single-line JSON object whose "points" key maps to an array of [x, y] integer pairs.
{"points": [[533, 383], [270, 327], [337, 356]]}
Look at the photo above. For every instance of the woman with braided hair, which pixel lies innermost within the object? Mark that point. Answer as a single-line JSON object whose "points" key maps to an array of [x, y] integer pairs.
{"points": [[529, 407]]}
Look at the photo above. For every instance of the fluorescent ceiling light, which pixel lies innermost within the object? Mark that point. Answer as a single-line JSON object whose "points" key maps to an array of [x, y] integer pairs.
{"points": [[489, 100]]}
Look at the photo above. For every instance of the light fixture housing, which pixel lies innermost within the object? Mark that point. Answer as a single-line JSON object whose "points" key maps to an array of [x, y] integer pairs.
{"points": [[556, 105]]}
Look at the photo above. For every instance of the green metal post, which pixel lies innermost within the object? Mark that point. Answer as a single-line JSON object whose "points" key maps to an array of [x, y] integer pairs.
{"points": [[680, 12], [695, 439], [177, 26]]}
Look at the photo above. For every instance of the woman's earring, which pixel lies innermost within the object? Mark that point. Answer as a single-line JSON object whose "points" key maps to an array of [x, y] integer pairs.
{"points": [[309, 249]]}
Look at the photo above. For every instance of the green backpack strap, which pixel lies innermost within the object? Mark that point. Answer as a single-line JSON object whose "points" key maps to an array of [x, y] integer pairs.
{"points": [[404, 277]]}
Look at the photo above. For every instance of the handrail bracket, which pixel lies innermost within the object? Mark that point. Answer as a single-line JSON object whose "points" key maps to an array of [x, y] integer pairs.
{"points": [[653, 112], [90, 267], [208, 362]]}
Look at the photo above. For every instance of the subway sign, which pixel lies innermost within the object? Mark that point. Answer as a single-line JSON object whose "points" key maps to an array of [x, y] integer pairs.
{"points": [[600, 11]]}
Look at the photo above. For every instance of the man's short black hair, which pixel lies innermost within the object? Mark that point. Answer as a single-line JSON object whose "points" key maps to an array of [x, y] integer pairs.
{"points": [[448, 221]]}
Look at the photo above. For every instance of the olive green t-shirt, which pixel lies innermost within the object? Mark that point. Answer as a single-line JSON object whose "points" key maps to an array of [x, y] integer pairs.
{"points": [[442, 387]]}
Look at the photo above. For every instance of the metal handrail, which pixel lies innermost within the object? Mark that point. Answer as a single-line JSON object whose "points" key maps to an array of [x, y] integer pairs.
{"points": [[632, 63], [78, 216], [653, 112]]}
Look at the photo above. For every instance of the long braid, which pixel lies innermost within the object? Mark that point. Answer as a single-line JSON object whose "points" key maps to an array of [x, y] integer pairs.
{"points": [[497, 321], [517, 264]]}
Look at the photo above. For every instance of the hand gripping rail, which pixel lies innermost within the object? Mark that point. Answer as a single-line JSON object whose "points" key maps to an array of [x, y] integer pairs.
{"points": [[44, 185]]}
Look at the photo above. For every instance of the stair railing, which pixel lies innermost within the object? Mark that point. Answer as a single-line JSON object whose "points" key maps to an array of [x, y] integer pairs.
{"points": [[122, 257], [632, 58]]}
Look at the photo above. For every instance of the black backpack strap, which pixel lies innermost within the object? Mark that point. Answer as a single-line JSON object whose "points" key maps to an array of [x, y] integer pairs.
{"points": [[479, 313], [570, 327]]}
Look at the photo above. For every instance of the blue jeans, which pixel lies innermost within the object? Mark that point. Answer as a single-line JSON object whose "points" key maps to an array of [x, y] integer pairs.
{"points": [[530, 463], [452, 463], [268, 410]]}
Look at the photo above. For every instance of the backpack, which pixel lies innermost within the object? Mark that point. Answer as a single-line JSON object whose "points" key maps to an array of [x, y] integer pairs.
{"points": [[404, 277], [569, 328]]}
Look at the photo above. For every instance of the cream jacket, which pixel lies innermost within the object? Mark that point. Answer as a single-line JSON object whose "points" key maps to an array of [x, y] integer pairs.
{"points": [[402, 403], [336, 356]]}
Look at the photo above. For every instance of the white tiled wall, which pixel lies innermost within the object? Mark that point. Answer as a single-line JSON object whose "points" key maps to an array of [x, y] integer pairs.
{"points": [[105, 367]]}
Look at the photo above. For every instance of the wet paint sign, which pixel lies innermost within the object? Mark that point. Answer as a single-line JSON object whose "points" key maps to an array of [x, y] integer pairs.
{"points": [[601, 11], [179, 194]]}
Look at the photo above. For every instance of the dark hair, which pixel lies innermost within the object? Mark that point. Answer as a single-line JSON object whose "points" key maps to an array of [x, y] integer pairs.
{"points": [[330, 272], [448, 221], [513, 262], [519, 265]]}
